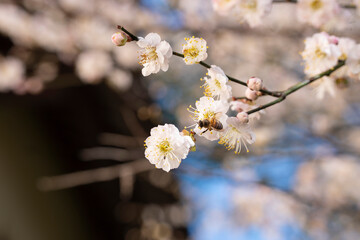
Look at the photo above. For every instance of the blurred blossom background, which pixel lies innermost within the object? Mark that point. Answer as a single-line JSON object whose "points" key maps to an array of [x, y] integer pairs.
{"points": [[75, 110]]}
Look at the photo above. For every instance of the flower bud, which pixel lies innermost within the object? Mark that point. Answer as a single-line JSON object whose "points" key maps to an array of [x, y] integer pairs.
{"points": [[250, 94], [243, 117], [119, 38], [255, 84]]}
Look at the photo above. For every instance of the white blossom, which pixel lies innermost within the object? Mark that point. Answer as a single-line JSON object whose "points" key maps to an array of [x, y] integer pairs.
{"points": [[194, 50], [216, 84], [319, 54], [209, 109], [252, 11], [317, 12], [155, 54], [237, 134], [93, 65], [11, 73], [166, 147]]}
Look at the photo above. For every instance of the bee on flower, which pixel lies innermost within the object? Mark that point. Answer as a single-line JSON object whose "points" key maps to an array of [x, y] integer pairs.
{"points": [[155, 54], [210, 117], [166, 147], [194, 50], [216, 84]]}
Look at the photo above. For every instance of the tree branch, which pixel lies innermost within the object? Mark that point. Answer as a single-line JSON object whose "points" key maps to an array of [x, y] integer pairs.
{"points": [[263, 91], [298, 86]]}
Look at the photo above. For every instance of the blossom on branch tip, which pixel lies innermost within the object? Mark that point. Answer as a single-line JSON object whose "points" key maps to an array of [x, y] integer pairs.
{"points": [[194, 50], [166, 147], [320, 54], [155, 54], [237, 134], [216, 84], [209, 116], [119, 38]]}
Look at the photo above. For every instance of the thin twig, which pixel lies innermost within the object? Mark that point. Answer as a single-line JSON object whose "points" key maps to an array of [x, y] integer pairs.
{"points": [[297, 87]]}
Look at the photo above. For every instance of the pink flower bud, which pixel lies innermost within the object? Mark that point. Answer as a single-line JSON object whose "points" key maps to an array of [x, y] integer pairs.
{"points": [[119, 38], [250, 94], [243, 117], [334, 40], [255, 84]]}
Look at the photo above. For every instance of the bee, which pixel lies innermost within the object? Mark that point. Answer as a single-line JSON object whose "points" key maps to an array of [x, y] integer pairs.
{"points": [[211, 123]]}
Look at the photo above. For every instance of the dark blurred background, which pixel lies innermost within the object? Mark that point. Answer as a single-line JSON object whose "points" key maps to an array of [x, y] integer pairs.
{"points": [[72, 130]]}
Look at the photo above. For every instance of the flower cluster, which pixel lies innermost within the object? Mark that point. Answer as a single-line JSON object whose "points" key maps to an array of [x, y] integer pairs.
{"points": [[322, 52], [167, 146]]}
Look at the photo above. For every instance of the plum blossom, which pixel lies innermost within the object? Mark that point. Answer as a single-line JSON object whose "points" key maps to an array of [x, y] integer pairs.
{"points": [[216, 84], [237, 134], [252, 11], [166, 147], [194, 50], [155, 54], [317, 12], [206, 109], [11, 73], [320, 54]]}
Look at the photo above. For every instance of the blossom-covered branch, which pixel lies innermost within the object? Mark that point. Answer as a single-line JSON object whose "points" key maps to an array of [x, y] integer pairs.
{"points": [[202, 63], [167, 146]]}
